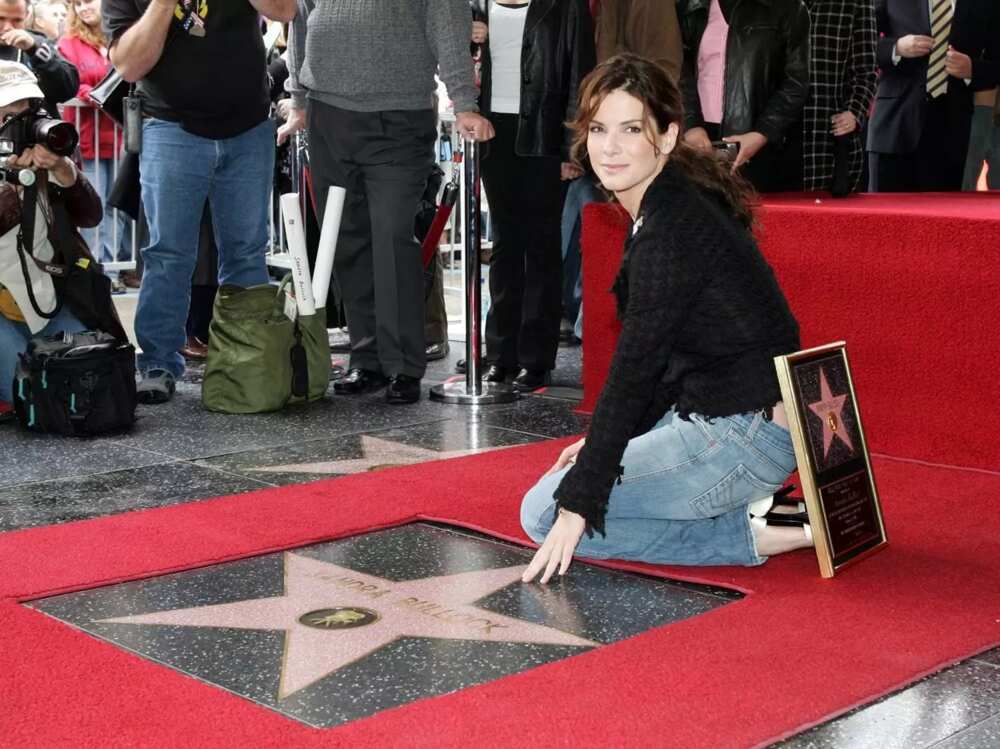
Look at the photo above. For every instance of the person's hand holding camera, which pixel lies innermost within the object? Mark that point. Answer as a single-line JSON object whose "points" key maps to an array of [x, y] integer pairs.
{"points": [[18, 38], [60, 168]]}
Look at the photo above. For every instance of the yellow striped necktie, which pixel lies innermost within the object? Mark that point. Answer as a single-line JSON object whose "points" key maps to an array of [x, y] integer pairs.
{"points": [[937, 77]]}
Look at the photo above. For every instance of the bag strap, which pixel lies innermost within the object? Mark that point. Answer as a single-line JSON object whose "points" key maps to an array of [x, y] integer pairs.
{"points": [[25, 249]]}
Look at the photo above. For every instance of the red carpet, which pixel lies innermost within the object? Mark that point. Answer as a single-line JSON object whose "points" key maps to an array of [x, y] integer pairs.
{"points": [[796, 651], [911, 282]]}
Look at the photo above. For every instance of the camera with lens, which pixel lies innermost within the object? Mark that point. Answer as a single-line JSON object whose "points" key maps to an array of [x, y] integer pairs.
{"points": [[35, 127]]}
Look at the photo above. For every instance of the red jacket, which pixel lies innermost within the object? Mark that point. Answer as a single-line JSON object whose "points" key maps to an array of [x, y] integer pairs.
{"points": [[93, 66]]}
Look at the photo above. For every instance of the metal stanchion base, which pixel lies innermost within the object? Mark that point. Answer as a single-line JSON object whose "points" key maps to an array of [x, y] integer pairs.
{"points": [[458, 392]]}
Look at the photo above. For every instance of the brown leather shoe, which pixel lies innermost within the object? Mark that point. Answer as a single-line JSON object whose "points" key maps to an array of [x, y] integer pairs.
{"points": [[130, 278], [195, 349]]}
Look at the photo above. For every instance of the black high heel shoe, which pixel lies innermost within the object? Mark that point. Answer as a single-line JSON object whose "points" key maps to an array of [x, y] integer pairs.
{"points": [[764, 507]]}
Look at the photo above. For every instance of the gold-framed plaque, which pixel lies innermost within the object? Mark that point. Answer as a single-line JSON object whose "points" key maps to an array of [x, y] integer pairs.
{"points": [[834, 467]]}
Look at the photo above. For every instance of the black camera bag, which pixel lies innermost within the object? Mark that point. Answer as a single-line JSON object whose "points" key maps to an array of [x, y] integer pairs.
{"points": [[78, 384]]}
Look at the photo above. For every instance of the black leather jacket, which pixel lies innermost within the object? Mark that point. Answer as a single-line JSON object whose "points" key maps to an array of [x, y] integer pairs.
{"points": [[557, 53], [767, 64]]}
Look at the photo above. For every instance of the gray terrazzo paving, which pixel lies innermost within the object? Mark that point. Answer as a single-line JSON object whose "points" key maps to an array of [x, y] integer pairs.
{"points": [[83, 497], [982, 735], [990, 656], [931, 711], [317, 459]]}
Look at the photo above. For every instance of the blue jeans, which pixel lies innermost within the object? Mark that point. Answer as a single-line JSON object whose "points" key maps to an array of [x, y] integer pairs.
{"points": [[984, 145], [14, 337], [179, 171], [112, 240], [684, 493], [580, 192]]}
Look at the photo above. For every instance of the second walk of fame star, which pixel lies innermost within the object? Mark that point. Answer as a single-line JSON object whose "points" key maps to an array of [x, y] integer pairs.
{"points": [[349, 615]]}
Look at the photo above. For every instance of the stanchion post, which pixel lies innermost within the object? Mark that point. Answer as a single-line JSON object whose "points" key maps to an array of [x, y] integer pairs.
{"points": [[472, 220], [473, 392]]}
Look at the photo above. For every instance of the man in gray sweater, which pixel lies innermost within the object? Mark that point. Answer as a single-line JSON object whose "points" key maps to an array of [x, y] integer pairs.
{"points": [[361, 75]]}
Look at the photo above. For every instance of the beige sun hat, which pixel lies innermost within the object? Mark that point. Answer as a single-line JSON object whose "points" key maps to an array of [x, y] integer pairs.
{"points": [[16, 83]]}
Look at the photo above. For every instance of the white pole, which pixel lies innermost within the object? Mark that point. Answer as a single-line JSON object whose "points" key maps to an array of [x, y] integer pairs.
{"points": [[328, 244], [292, 217]]}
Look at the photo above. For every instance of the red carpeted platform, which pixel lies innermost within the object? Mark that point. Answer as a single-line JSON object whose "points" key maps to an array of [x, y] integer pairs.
{"points": [[797, 650], [911, 282]]}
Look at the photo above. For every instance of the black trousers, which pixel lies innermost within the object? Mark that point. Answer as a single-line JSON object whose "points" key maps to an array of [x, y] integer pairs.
{"points": [[383, 160], [525, 197], [937, 165]]}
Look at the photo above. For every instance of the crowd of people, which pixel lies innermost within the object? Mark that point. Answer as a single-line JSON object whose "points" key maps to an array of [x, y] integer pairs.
{"points": [[832, 95], [680, 112]]}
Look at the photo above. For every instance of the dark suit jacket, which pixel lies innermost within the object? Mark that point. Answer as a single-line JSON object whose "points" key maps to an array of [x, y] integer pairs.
{"points": [[901, 101]]}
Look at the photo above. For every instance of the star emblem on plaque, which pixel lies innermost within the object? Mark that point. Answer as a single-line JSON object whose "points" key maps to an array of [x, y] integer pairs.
{"points": [[833, 464]]}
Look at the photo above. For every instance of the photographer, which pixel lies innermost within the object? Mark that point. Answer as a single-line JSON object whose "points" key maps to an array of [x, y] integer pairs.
{"points": [[57, 78], [65, 200]]}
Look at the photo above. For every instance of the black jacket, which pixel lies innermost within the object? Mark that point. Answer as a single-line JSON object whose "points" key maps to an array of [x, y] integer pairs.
{"points": [[57, 77], [901, 100], [767, 64], [557, 53], [702, 319]]}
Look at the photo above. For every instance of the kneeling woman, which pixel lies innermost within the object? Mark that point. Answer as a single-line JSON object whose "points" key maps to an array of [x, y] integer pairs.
{"points": [[689, 429]]}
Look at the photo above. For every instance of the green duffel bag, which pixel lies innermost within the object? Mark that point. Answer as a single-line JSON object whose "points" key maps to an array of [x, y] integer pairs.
{"points": [[316, 342], [259, 359]]}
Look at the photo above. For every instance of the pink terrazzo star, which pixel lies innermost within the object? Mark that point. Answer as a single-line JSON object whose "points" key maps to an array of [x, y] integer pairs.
{"points": [[437, 607], [830, 410]]}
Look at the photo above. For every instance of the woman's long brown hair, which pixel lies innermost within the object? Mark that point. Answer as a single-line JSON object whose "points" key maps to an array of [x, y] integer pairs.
{"points": [[661, 100], [94, 36]]}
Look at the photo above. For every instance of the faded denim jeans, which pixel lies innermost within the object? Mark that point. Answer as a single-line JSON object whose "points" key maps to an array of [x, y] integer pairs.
{"points": [[179, 171], [684, 492]]}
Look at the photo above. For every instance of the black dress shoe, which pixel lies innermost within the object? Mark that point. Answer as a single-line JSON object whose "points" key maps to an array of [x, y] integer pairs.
{"points": [[529, 380], [359, 381], [403, 389], [495, 373], [437, 351], [460, 365]]}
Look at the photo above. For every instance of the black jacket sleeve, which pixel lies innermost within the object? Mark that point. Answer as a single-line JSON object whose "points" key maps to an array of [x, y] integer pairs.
{"points": [[784, 106], [583, 57], [57, 77], [664, 277], [81, 201]]}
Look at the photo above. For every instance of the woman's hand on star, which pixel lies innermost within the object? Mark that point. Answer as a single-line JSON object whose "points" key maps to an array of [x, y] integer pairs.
{"points": [[557, 551]]}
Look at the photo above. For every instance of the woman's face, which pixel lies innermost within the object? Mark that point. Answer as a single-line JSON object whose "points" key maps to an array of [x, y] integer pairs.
{"points": [[619, 144], [88, 11]]}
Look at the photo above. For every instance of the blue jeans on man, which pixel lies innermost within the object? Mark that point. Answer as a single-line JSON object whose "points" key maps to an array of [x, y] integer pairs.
{"points": [[179, 171]]}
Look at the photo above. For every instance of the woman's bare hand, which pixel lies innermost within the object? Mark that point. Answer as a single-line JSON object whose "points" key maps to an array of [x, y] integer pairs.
{"points": [[557, 551], [566, 457]]}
